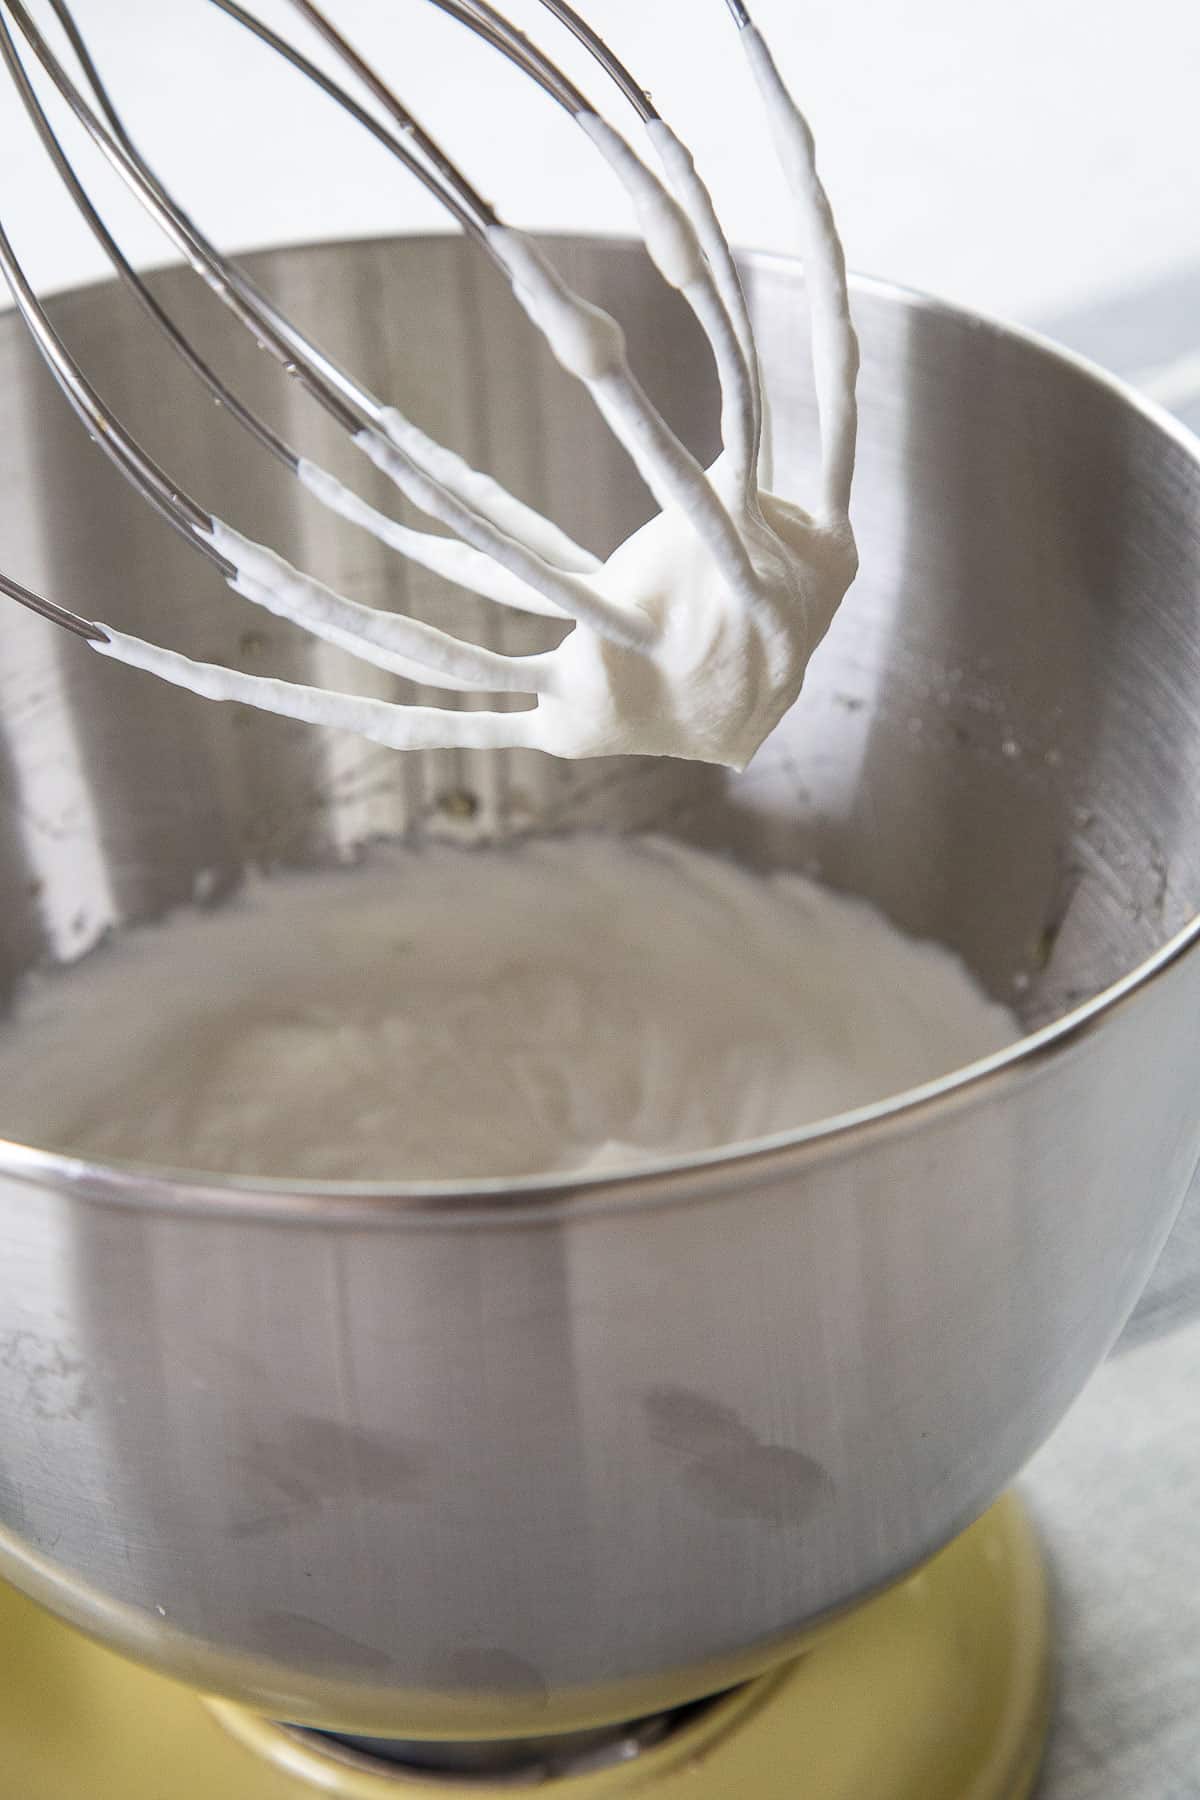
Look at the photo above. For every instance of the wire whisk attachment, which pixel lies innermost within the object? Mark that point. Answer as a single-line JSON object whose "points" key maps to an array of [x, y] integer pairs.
{"points": [[694, 636]]}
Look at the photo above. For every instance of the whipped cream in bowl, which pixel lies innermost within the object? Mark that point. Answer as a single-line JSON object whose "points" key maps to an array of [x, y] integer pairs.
{"points": [[581, 1003]]}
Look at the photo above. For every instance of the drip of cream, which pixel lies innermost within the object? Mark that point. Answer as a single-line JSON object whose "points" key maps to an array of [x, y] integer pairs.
{"points": [[569, 1003], [694, 637]]}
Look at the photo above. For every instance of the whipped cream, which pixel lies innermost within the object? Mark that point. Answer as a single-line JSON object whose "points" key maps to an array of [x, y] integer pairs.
{"points": [[585, 1002], [694, 637]]}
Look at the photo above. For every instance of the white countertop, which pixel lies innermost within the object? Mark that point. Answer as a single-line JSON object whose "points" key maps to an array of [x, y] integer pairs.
{"points": [[1115, 1493]]}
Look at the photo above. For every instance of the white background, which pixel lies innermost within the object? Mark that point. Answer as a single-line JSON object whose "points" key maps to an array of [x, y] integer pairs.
{"points": [[1024, 156]]}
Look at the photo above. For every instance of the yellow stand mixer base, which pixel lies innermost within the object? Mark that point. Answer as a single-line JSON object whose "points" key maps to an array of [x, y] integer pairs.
{"points": [[937, 1690]]}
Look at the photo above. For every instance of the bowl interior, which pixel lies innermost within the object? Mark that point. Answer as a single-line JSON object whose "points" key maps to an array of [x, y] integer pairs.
{"points": [[999, 741]]}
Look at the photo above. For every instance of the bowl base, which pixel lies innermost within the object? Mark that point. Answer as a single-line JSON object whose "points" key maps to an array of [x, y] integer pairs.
{"points": [[937, 1690]]}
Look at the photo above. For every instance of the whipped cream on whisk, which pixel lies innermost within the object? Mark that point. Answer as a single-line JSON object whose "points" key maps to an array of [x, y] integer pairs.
{"points": [[694, 637]]}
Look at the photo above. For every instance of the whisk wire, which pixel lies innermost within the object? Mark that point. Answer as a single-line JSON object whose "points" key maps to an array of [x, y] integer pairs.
{"points": [[666, 467], [618, 74], [178, 340], [424, 491], [57, 615], [173, 222], [481, 497], [455, 191], [102, 424], [644, 188]]}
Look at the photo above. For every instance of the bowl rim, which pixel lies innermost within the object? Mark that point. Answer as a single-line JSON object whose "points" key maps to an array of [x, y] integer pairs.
{"points": [[654, 1180]]}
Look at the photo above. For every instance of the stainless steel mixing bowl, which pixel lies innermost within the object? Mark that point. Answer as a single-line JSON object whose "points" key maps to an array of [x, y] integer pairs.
{"points": [[517, 1458]]}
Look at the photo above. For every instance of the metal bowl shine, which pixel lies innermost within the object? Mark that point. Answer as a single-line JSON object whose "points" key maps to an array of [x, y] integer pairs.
{"points": [[515, 1458]]}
